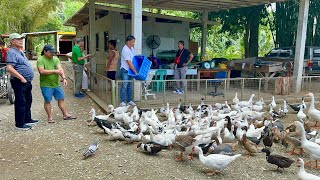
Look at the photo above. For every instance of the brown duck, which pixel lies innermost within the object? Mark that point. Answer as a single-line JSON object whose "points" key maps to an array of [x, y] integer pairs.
{"points": [[184, 143], [248, 145]]}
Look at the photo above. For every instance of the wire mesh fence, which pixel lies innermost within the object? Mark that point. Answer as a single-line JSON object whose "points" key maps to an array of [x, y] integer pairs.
{"points": [[156, 93], [101, 86]]}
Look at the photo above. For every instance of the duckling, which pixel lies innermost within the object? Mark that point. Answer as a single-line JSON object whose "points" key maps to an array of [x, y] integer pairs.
{"points": [[248, 145], [280, 161], [151, 147]]}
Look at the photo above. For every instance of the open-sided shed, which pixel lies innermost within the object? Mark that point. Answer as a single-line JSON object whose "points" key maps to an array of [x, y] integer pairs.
{"points": [[203, 6]]}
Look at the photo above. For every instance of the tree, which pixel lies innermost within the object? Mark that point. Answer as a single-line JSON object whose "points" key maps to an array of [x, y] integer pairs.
{"points": [[243, 20]]}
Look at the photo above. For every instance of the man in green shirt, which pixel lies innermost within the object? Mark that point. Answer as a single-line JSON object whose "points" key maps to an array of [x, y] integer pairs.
{"points": [[78, 63], [50, 69]]}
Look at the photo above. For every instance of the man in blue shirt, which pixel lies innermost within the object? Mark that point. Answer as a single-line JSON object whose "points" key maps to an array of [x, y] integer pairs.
{"points": [[21, 76]]}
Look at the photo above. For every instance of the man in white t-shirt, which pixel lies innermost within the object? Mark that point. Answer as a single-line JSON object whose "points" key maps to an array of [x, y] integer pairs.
{"points": [[127, 55]]}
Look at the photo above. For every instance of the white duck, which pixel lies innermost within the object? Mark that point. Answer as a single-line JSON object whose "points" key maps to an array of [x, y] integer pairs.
{"points": [[257, 107], [115, 134], [118, 109], [311, 148], [102, 117], [239, 132], [246, 103], [285, 107], [260, 102], [215, 162], [303, 174], [228, 135], [236, 99], [273, 103], [301, 115], [313, 112], [189, 110]]}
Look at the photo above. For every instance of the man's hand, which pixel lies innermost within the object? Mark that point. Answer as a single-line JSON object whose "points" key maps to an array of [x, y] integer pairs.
{"points": [[23, 80], [65, 82], [87, 56], [60, 72], [185, 64]]}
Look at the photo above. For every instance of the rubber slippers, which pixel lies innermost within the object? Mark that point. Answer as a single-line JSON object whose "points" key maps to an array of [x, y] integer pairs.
{"points": [[69, 118], [51, 121]]}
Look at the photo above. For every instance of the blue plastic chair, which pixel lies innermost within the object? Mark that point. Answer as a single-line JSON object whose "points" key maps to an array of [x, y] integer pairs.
{"points": [[159, 85], [216, 83]]}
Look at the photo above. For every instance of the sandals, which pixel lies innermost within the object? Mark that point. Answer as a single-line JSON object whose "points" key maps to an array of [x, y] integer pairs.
{"points": [[51, 121], [69, 118]]}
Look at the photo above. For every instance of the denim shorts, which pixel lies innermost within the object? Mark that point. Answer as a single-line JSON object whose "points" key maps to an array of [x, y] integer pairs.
{"points": [[48, 92]]}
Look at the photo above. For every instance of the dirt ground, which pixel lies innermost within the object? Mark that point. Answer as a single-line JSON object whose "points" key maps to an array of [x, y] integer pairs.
{"points": [[54, 151]]}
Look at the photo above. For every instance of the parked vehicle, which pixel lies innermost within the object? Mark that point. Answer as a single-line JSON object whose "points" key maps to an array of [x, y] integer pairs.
{"points": [[286, 54]]}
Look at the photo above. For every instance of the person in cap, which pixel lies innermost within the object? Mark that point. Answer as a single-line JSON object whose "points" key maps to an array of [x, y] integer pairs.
{"points": [[127, 55], [50, 69], [78, 60], [21, 77]]}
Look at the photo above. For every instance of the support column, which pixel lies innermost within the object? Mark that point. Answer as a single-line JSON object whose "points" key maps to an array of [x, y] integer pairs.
{"points": [[137, 24], [92, 35], [137, 33], [204, 33], [300, 43], [57, 42]]}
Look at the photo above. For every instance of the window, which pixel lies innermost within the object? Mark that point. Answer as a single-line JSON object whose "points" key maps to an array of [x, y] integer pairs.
{"points": [[316, 53], [106, 39], [97, 42]]}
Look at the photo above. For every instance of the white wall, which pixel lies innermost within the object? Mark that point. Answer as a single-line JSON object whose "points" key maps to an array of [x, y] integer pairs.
{"points": [[119, 29]]}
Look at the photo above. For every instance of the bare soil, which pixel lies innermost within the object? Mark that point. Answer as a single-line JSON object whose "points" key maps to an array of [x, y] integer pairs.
{"points": [[54, 151]]}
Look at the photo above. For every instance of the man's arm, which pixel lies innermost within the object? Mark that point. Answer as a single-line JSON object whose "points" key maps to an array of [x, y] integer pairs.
{"points": [[43, 71], [64, 79], [15, 73], [132, 67], [111, 56], [190, 59]]}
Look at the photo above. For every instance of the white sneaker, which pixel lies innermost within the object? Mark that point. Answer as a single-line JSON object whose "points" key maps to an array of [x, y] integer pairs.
{"points": [[176, 91], [131, 103], [88, 90], [122, 104], [180, 92]]}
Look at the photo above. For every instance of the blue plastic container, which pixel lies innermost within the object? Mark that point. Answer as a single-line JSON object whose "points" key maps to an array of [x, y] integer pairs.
{"points": [[142, 65]]}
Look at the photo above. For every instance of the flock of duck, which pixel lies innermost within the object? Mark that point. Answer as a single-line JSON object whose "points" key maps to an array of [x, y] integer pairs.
{"points": [[215, 132]]}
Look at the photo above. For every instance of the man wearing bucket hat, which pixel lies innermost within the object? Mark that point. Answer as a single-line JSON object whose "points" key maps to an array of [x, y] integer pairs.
{"points": [[21, 76], [50, 69]]}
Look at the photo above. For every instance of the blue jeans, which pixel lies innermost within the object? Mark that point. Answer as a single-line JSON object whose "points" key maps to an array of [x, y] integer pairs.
{"points": [[126, 88], [23, 101]]}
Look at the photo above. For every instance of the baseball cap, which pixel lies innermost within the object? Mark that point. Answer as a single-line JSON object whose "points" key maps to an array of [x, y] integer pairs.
{"points": [[15, 36], [49, 47]]}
